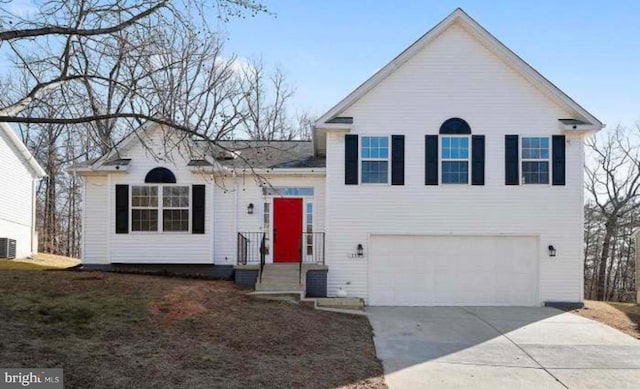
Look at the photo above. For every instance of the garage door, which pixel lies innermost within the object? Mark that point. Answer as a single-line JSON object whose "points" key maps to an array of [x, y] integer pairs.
{"points": [[453, 270]]}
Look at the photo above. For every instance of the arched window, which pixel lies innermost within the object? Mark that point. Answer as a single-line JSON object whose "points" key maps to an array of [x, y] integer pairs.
{"points": [[455, 126], [160, 175], [455, 149]]}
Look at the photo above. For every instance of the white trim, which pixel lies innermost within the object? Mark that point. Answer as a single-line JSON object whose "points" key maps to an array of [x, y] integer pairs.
{"points": [[160, 208], [521, 160], [467, 160], [22, 152], [492, 44], [360, 160]]}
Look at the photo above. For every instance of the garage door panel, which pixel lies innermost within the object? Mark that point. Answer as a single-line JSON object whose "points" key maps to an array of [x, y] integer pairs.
{"points": [[453, 270]]}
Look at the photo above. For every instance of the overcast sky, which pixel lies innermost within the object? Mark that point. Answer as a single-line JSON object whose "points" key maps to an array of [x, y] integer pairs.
{"points": [[590, 49]]}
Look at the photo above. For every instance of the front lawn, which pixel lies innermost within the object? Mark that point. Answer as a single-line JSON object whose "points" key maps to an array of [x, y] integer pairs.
{"points": [[115, 330]]}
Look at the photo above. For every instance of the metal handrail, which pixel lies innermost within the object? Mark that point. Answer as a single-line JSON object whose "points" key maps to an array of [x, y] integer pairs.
{"points": [[263, 255], [251, 248]]}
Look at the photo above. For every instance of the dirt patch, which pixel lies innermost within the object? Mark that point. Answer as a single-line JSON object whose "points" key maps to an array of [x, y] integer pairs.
{"points": [[622, 316], [148, 332], [181, 303]]}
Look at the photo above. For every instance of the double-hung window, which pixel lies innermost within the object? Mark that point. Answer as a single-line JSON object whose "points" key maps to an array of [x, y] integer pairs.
{"points": [[455, 159], [535, 160], [175, 208], [374, 156], [160, 205], [144, 208]]}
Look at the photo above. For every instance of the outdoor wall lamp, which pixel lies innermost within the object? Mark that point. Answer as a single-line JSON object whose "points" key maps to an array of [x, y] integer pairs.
{"points": [[360, 250], [250, 209], [552, 251]]}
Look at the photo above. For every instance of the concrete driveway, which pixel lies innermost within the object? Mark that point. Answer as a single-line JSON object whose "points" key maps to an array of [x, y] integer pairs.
{"points": [[490, 347]]}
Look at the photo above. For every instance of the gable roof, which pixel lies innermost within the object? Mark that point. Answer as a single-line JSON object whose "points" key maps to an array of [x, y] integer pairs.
{"points": [[475, 29], [22, 152]]}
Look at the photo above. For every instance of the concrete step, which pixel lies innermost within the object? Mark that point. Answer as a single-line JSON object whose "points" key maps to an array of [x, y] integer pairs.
{"points": [[350, 303], [290, 295], [278, 287]]}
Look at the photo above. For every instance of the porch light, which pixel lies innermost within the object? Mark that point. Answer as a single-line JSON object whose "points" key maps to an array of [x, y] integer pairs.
{"points": [[552, 251], [360, 250], [250, 209]]}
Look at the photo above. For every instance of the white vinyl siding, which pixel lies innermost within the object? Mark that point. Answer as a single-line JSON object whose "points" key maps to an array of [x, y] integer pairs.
{"points": [[16, 199], [456, 76]]}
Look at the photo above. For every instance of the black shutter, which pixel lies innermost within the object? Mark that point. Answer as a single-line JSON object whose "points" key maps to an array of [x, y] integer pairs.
{"points": [[397, 159], [558, 150], [122, 209], [431, 160], [351, 159], [511, 172], [477, 160], [197, 209]]}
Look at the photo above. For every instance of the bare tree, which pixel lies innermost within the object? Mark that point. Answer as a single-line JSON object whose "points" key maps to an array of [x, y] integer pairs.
{"points": [[265, 98], [105, 46], [613, 183]]}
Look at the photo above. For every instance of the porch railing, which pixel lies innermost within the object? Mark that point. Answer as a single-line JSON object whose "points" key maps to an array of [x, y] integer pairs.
{"points": [[251, 248], [312, 248]]}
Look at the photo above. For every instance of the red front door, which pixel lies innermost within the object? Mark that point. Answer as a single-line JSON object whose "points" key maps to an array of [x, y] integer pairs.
{"points": [[287, 229]]}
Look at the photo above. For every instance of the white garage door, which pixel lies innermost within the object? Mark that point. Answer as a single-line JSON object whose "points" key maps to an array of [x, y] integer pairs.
{"points": [[453, 270]]}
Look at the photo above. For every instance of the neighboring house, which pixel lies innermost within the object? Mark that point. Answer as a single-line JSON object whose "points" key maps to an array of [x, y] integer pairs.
{"points": [[20, 174], [453, 176]]}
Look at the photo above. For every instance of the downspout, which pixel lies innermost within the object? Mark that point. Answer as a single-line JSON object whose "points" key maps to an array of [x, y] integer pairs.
{"points": [[33, 217], [235, 216], [637, 239]]}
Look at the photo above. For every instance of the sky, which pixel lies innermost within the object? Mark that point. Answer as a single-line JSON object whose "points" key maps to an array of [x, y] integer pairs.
{"points": [[589, 49]]}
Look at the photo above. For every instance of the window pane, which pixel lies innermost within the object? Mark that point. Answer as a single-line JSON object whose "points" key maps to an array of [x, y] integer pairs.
{"points": [[144, 220], [175, 196], [375, 172], [374, 147], [144, 196], [535, 172], [455, 172], [175, 220], [455, 147], [535, 148]]}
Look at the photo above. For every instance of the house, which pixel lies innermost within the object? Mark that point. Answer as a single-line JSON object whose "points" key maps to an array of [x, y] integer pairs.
{"points": [[20, 174], [453, 176]]}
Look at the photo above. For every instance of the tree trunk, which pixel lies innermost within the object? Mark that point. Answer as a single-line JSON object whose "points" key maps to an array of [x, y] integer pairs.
{"points": [[604, 256]]}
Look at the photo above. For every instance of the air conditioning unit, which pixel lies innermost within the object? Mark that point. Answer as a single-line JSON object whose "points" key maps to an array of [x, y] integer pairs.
{"points": [[7, 248]]}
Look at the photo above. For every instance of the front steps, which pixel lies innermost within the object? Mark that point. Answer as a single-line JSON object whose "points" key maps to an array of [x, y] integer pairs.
{"points": [[284, 282], [285, 277], [281, 277]]}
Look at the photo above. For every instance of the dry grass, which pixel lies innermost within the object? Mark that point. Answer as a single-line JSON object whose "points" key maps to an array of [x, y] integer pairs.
{"points": [[114, 330], [622, 316], [20, 265], [51, 261]]}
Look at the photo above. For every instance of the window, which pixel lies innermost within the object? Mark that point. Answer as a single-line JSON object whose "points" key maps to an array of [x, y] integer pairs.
{"points": [[287, 191], [309, 235], [267, 226], [144, 208], [455, 159], [175, 208], [535, 160], [374, 154], [148, 202]]}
